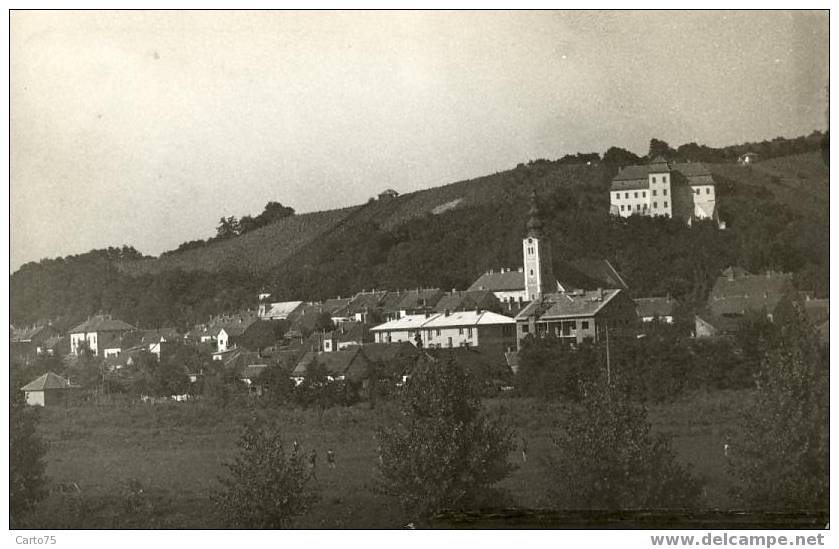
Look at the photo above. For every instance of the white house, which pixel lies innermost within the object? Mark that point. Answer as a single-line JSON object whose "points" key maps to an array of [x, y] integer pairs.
{"points": [[101, 333], [448, 330]]}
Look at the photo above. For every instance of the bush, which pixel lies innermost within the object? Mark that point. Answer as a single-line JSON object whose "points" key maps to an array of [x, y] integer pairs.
{"points": [[607, 459], [443, 453], [27, 484], [266, 487]]}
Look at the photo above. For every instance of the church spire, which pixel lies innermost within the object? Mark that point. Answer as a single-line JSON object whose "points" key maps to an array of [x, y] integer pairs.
{"points": [[534, 224]]}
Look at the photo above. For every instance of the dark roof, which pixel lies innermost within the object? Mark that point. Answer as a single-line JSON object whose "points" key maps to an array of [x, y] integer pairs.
{"points": [[568, 304], [466, 300], [351, 331], [426, 297], [482, 363], [352, 363], [41, 331], [46, 382], [600, 270], [365, 301], [510, 280], [654, 306], [102, 323], [386, 352], [742, 293], [637, 177]]}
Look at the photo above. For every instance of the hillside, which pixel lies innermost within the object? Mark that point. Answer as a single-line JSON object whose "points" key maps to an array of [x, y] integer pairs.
{"points": [[445, 237]]}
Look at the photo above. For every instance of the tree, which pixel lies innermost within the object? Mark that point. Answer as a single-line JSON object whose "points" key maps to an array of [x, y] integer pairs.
{"points": [[324, 323], [274, 211], [443, 452], [617, 157], [660, 148], [783, 460], [551, 369], [228, 227], [607, 459], [27, 484], [266, 487]]}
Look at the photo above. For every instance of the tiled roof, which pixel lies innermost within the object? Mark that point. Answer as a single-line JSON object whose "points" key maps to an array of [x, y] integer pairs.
{"points": [[365, 301], [740, 294], [511, 280], [462, 300], [407, 322], [413, 299], [352, 363], [282, 309], [101, 323], [637, 177], [568, 305], [388, 352], [469, 318], [600, 270], [654, 306], [46, 382]]}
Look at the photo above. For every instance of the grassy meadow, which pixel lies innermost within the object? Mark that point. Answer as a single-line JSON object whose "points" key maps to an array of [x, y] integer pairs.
{"points": [[176, 453]]}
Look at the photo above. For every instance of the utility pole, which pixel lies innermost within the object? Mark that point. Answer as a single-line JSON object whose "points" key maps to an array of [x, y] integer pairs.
{"points": [[608, 361]]}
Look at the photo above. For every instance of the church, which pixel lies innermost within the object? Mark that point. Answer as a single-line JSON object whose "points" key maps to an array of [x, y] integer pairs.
{"points": [[540, 274], [583, 300]]}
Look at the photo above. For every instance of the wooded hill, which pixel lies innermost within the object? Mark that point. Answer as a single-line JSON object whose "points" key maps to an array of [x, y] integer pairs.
{"points": [[777, 214]]}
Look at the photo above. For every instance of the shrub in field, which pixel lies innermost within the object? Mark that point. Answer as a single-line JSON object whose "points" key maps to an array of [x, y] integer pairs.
{"points": [[27, 484], [443, 452], [267, 487], [606, 458], [782, 462]]}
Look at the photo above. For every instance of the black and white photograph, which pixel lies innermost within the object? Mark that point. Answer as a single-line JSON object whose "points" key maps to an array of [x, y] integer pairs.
{"points": [[556, 270]]}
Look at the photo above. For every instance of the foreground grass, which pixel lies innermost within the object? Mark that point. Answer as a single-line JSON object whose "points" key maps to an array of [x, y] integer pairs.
{"points": [[176, 453]]}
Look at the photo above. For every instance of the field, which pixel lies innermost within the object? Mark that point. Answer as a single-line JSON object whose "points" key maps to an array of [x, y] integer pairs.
{"points": [[176, 453]]}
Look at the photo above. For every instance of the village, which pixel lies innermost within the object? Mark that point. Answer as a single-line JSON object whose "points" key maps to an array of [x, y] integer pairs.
{"points": [[482, 327]]}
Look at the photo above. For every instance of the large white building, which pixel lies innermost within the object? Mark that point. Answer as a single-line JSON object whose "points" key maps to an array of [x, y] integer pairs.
{"points": [[678, 190], [448, 330]]}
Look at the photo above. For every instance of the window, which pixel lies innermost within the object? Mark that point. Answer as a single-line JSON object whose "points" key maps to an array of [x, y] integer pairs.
{"points": [[645, 206], [664, 179], [438, 332], [525, 328], [653, 179], [621, 207], [643, 194], [617, 196], [707, 190], [665, 203], [664, 192], [460, 331], [637, 207], [655, 192], [530, 241], [697, 191], [636, 194], [531, 272], [626, 195], [585, 325], [469, 333]]}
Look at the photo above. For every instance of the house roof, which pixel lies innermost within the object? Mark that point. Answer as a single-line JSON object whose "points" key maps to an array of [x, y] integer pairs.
{"points": [[601, 271], [469, 318], [350, 331], [335, 304], [654, 306], [426, 297], [407, 322], [741, 293], [509, 280], [33, 332], [281, 309], [366, 300], [46, 382], [476, 361], [387, 352], [253, 371], [568, 304], [102, 323], [637, 177], [353, 364]]}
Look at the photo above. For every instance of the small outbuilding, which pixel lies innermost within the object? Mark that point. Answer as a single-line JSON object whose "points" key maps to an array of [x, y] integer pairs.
{"points": [[49, 389]]}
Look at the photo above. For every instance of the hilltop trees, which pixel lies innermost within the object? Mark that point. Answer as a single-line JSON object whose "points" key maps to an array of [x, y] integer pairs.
{"points": [[443, 452], [607, 458], [783, 460]]}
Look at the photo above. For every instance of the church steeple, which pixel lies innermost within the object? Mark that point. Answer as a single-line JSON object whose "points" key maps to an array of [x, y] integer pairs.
{"points": [[534, 224], [538, 267]]}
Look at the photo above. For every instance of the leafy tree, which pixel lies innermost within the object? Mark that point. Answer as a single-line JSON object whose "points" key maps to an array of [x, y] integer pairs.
{"points": [[274, 211], [551, 369], [606, 458], [266, 486], [660, 148], [443, 452], [617, 157], [783, 460], [27, 483], [278, 384], [228, 227]]}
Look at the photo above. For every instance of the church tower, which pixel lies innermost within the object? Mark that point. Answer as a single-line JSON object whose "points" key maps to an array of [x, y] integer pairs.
{"points": [[538, 270]]}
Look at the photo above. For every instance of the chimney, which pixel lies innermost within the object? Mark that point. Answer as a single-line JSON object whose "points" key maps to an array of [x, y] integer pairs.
{"points": [[600, 293], [446, 312]]}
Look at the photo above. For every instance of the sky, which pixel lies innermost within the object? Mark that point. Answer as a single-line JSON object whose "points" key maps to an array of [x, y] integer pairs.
{"points": [[144, 128]]}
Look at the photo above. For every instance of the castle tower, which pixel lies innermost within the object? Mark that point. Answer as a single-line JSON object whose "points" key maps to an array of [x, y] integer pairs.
{"points": [[538, 270]]}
